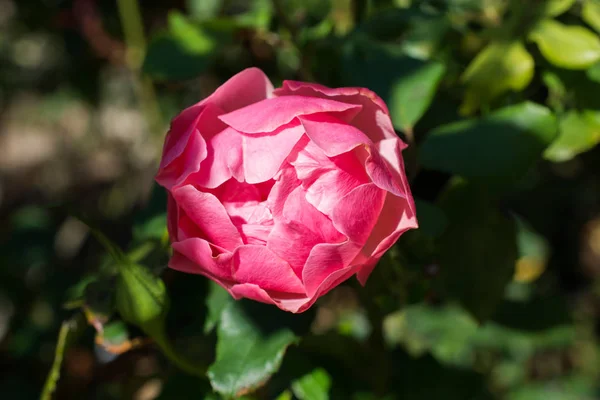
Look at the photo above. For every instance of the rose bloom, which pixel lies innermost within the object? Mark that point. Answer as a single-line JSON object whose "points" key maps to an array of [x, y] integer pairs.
{"points": [[281, 195]]}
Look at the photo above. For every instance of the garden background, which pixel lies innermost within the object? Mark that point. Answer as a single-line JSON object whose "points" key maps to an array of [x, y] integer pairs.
{"points": [[496, 296]]}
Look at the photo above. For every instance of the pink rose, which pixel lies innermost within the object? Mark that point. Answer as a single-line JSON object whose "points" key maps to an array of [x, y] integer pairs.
{"points": [[281, 195]]}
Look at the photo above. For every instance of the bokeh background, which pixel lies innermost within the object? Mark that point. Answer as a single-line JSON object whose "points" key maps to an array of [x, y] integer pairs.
{"points": [[497, 296]]}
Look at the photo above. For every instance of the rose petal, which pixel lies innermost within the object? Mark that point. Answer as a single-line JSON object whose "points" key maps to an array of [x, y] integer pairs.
{"points": [[285, 182], [172, 217], [195, 256], [260, 266], [179, 133], [207, 212], [292, 242], [357, 213], [381, 173], [246, 87], [373, 119], [185, 164], [264, 154], [250, 291], [270, 114], [297, 209], [397, 216], [324, 260], [331, 134]]}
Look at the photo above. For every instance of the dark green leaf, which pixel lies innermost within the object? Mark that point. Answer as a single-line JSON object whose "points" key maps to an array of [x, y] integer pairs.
{"points": [[570, 47], [216, 301], [478, 250], [313, 386], [504, 144], [432, 220], [406, 84], [181, 53], [246, 357]]}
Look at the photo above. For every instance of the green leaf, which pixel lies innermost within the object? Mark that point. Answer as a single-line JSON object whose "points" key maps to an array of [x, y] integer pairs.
{"points": [[591, 13], [553, 8], [570, 47], [407, 85], [204, 9], [478, 250], [479, 148], [183, 52], [246, 357], [115, 333], [498, 68], [579, 132], [593, 73], [153, 228], [313, 386], [141, 297], [446, 332], [216, 301], [413, 93], [432, 220]]}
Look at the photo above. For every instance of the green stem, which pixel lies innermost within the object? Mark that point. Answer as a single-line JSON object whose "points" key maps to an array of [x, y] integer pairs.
{"points": [[161, 339], [135, 40], [69, 328]]}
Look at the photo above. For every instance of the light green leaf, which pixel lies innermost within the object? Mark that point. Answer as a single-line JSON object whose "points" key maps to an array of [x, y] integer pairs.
{"points": [[481, 148], [579, 132], [533, 253], [246, 357], [445, 332], [570, 47], [203, 9], [313, 386], [591, 13], [553, 8], [141, 297], [498, 68], [478, 250]]}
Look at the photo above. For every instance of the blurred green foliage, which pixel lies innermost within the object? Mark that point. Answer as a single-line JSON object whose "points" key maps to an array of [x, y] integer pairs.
{"points": [[496, 296]]}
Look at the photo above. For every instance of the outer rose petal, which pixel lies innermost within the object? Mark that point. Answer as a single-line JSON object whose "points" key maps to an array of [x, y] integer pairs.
{"points": [[177, 138], [209, 215], [246, 87], [397, 217], [268, 115], [195, 256], [172, 217], [258, 265], [224, 160], [185, 164], [324, 260], [373, 120]]}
